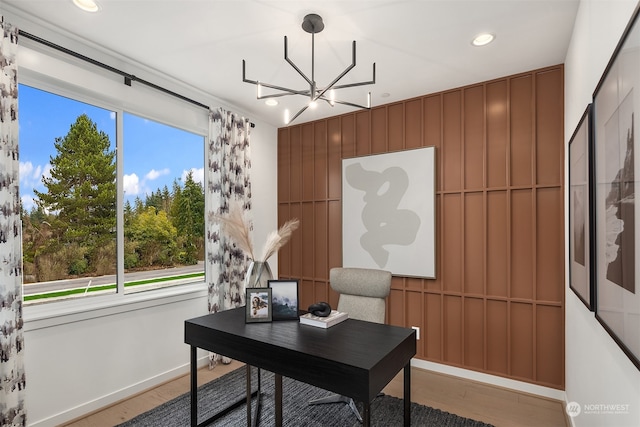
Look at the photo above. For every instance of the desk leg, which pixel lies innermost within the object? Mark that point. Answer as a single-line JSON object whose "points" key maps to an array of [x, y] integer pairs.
{"points": [[407, 395], [248, 395], [278, 385], [366, 414], [194, 396], [194, 387]]}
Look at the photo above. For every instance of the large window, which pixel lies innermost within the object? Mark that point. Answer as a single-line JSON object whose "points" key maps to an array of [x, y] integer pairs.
{"points": [[72, 215]]}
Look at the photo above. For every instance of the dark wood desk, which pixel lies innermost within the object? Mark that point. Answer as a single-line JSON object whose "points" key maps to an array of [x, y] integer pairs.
{"points": [[354, 358]]}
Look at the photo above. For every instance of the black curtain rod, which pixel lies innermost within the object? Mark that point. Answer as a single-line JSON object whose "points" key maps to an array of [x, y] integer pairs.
{"points": [[128, 78]]}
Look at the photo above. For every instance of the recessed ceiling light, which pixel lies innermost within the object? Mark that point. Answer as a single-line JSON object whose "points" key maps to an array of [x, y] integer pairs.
{"points": [[483, 39], [87, 5], [271, 102]]}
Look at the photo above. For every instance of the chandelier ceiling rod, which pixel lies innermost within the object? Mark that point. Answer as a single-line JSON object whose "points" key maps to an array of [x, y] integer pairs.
{"points": [[313, 24]]}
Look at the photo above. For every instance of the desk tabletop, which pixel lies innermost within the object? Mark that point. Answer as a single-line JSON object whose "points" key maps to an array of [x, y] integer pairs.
{"points": [[355, 349]]}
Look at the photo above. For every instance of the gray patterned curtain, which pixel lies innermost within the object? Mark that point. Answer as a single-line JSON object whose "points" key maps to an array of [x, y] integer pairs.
{"points": [[12, 378], [229, 164]]}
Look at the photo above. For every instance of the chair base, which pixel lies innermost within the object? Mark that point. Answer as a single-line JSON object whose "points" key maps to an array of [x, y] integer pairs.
{"points": [[336, 398]]}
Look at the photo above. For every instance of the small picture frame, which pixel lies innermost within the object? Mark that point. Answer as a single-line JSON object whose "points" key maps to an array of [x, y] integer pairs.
{"points": [[284, 299], [259, 308]]}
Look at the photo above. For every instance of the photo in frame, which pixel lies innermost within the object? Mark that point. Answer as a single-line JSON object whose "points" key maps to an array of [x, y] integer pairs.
{"points": [[284, 299], [258, 308], [616, 114], [581, 247], [388, 212]]}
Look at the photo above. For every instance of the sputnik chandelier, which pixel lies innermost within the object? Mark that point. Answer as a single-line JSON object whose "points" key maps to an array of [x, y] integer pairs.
{"points": [[313, 24]]}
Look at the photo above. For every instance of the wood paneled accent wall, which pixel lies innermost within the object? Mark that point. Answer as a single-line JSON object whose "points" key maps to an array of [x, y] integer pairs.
{"points": [[497, 304]]}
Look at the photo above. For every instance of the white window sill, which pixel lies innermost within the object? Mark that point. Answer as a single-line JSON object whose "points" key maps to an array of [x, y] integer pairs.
{"points": [[40, 316]]}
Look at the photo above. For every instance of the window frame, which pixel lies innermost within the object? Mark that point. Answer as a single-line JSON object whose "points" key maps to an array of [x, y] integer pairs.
{"points": [[187, 117]]}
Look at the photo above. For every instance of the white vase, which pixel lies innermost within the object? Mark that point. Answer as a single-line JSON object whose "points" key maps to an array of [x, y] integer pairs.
{"points": [[258, 275]]}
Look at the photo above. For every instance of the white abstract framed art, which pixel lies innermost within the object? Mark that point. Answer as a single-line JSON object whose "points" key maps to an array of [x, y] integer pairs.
{"points": [[388, 212]]}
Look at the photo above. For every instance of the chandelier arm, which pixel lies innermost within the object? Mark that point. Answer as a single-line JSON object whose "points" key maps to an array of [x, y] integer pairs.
{"points": [[351, 104], [331, 85], [271, 86], [302, 110], [244, 74], [370, 82], [283, 89], [341, 75], [295, 67], [280, 95]]}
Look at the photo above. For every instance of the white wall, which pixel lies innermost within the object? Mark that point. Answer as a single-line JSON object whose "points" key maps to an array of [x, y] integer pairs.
{"points": [[77, 363], [597, 371], [82, 355]]}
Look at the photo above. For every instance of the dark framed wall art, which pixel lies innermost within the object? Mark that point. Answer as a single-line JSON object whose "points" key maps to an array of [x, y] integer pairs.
{"points": [[284, 299], [581, 248], [615, 119]]}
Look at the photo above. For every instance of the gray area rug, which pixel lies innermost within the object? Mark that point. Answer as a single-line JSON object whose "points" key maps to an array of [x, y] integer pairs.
{"points": [[386, 410]]}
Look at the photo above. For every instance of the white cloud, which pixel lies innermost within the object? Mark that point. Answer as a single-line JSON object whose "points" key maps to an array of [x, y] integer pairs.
{"points": [[25, 168], [131, 184], [27, 202], [198, 175], [154, 174], [31, 175]]}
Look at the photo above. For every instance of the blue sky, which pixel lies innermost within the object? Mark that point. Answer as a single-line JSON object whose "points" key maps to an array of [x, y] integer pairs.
{"points": [[154, 154]]}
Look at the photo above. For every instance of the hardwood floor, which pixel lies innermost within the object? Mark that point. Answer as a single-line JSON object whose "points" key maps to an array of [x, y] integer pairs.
{"points": [[494, 405]]}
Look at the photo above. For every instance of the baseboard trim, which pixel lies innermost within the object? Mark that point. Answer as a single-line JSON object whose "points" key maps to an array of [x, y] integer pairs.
{"points": [[497, 381], [82, 411], [90, 407]]}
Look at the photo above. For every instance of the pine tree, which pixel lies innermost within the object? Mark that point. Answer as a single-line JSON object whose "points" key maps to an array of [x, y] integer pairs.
{"points": [[154, 200], [188, 218], [138, 205], [191, 208], [81, 190], [174, 210], [166, 200]]}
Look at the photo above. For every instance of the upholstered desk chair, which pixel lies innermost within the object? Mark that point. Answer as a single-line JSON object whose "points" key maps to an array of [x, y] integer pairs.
{"points": [[362, 295]]}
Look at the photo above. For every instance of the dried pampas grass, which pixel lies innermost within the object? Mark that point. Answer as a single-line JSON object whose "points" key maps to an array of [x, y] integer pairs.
{"points": [[237, 228], [279, 238]]}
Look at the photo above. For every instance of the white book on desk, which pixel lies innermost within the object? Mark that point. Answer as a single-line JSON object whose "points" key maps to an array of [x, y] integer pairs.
{"points": [[324, 322]]}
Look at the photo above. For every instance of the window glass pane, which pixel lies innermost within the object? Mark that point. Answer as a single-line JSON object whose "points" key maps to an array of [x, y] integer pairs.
{"points": [[68, 195], [163, 205]]}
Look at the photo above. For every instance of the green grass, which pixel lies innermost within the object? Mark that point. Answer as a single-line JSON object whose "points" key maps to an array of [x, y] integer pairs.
{"points": [[74, 291]]}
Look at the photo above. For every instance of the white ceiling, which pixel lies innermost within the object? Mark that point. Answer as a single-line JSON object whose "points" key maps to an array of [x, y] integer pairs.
{"points": [[419, 46]]}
